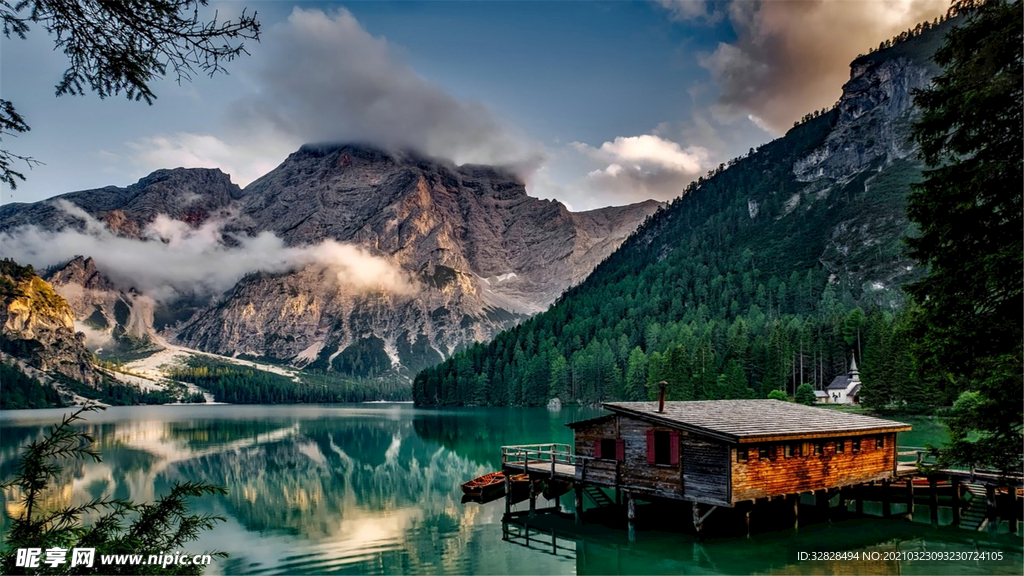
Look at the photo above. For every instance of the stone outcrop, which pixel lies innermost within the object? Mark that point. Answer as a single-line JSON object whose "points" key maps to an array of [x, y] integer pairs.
{"points": [[873, 123], [37, 326], [111, 318]]}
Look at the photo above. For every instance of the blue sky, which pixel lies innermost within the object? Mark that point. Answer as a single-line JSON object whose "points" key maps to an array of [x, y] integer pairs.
{"points": [[594, 103]]}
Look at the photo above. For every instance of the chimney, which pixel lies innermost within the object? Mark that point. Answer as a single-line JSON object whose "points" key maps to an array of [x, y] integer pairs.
{"points": [[661, 396]]}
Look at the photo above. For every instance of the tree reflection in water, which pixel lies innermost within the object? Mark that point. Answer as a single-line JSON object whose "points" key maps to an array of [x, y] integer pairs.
{"points": [[367, 489]]}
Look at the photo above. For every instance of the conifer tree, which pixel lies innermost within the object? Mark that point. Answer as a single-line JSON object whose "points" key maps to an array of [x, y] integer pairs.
{"points": [[968, 323]]}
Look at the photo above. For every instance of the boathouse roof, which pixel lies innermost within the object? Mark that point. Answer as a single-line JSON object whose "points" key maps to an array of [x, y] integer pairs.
{"points": [[750, 421], [589, 421]]}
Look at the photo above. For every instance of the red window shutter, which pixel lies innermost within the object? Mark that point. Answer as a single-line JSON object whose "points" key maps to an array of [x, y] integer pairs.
{"points": [[620, 450], [650, 446], [597, 449], [673, 448]]}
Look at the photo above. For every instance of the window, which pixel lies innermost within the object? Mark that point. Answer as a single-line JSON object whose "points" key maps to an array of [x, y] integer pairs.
{"points": [[788, 451], [741, 454], [608, 448], [662, 447], [762, 453], [840, 446], [880, 442], [819, 448], [855, 445]]}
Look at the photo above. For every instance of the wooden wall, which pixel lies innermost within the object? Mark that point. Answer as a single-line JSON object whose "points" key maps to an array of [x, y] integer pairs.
{"points": [[708, 470], [663, 480], [705, 469], [597, 471], [758, 478], [702, 472]]}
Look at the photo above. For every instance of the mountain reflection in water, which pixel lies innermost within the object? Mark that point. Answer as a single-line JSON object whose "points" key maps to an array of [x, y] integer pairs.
{"points": [[376, 489]]}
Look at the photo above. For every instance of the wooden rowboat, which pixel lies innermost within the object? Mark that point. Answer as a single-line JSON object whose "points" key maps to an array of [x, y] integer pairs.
{"points": [[491, 486], [485, 486]]}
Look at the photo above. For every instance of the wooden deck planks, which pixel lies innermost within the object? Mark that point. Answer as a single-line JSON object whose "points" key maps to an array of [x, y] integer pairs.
{"points": [[563, 471]]}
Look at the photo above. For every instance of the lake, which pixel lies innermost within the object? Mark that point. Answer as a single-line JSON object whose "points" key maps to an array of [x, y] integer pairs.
{"points": [[374, 489]]}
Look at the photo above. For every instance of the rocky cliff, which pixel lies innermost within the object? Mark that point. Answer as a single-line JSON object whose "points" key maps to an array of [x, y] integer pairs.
{"points": [[473, 252], [111, 319], [482, 254], [37, 326], [869, 150]]}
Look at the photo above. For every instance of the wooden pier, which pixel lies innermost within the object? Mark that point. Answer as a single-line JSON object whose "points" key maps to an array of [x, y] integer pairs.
{"points": [[742, 454]]}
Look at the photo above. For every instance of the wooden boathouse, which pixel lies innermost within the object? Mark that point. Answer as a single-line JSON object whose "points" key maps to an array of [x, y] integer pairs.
{"points": [[717, 453], [722, 452]]}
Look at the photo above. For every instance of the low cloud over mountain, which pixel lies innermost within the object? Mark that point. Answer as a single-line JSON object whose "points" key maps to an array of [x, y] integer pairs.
{"points": [[323, 78], [173, 259]]}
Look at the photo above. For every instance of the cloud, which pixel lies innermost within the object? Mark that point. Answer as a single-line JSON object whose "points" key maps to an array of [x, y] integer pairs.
{"points": [[174, 259], [790, 58], [683, 10], [245, 159], [654, 150], [324, 78], [636, 168]]}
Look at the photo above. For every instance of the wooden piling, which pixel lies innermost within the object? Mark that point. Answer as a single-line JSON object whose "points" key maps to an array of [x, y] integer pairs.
{"points": [[631, 515], [933, 498], [508, 494], [533, 496], [910, 498], [698, 525], [957, 488], [578, 490], [990, 502], [822, 499], [1014, 510], [886, 499], [796, 511]]}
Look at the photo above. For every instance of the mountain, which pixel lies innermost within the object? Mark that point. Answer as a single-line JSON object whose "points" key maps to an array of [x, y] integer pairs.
{"points": [[37, 327], [459, 253], [770, 272], [113, 321]]}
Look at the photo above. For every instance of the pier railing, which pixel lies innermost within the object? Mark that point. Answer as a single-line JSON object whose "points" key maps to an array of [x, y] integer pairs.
{"points": [[559, 460], [924, 461], [915, 455], [539, 457]]}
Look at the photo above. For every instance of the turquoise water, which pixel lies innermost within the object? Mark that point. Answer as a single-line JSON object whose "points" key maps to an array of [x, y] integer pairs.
{"points": [[374, 489]]}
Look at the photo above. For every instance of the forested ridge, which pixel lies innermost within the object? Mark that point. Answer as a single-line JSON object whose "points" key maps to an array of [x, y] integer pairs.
{"points": [[743, 285], [244, 385]]}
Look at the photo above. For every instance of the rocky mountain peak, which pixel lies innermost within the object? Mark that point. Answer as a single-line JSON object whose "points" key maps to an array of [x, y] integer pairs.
{"points": [[81, 271], [192, 195], [480, 251]]}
